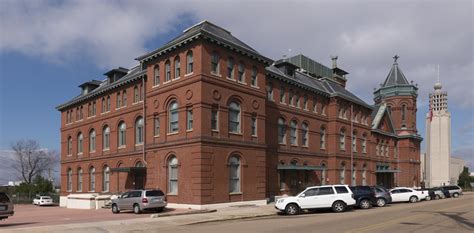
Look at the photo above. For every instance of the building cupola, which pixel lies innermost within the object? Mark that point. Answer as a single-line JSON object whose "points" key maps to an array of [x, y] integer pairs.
{"points": [[286, 67], [89, 86]]}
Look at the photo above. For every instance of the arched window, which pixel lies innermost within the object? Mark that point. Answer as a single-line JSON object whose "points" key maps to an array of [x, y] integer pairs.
{"points": [[156, 74], [354, 141], [323, 175], [108, 103], [270, 91], [241, 72], [281, 131], [342, 139], [305, 102], [234, 174], [322, 141], [92, 179], [103, 108], [139, 131], [291, 98], [173, 117], [80, 143], [124, 96], [69, 145], [106, 138], [136, 94], [106, 179], [157, 126], [282, 95], [342, 174], [177, 69], [167, 71], [297, 97], [234, 117], [118, 101], [173, 175], [293, 137], [79, 180], [254, 77], [122, 134], [230, 68], [215, 63], [315, 105], [69, 180], [139, 164], [354, 172], [404, 112], [364, 143], [304, 134], [92, 140], [189, 62]]}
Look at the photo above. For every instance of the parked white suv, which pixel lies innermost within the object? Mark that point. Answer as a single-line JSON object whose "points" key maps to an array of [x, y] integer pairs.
{"points": [[337, 197], [402, 194]]}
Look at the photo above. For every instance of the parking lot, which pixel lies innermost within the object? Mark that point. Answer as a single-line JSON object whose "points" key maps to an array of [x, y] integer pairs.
{"points": [[31, 216]]}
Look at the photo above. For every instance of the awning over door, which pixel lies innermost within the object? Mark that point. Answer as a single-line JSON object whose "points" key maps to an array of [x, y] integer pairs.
{"points": [[387, 171], [301, 167]]}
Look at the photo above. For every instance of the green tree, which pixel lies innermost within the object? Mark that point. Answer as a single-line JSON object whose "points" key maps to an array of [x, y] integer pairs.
{"points": [[464, 179]]}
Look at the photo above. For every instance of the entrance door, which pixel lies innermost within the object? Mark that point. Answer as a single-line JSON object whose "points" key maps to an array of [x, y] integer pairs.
{"points": [[139, 180]]}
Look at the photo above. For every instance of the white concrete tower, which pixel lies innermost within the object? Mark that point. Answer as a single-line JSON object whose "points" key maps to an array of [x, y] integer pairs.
{"points": [[438, 138]]}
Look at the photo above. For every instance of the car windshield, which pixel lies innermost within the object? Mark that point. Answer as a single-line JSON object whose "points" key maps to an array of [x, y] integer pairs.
{"points": [[4, 197], [154, 193]]}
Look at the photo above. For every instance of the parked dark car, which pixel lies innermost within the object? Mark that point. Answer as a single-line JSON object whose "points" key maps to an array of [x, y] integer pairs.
{"points": [[6, 206], [382, 195], [364, 196]]}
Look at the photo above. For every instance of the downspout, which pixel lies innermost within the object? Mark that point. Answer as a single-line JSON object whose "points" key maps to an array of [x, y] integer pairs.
{"points": [[144, 119], [353, 180]]}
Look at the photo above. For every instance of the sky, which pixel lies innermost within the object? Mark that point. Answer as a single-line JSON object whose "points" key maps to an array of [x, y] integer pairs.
{"points": [[48, 48]]}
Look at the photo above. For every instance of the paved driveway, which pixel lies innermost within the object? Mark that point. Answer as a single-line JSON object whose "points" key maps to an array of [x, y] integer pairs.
{"points": [[30, 216]]}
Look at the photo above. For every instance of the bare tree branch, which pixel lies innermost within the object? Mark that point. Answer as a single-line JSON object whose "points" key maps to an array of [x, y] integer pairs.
{"points": [[30, 160]]}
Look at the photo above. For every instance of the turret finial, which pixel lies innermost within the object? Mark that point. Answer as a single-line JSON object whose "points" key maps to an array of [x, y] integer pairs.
{"points": [[334, 61], [395, 58]]}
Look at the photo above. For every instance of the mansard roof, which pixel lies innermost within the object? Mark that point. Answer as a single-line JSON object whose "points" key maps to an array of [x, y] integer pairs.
{"points": [[104, 86], [325, 87], [210, 31]]}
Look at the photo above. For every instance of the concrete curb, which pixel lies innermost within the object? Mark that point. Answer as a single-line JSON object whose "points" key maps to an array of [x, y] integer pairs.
{"points": [[182, 213], [229, 218]]}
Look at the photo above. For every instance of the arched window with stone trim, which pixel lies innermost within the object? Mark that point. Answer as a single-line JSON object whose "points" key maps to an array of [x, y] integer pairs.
{"points": [[69, 145], [215, 63], [354, 141], [173, 117], [234, 117], [106, 179], [322, 140], [304, 134], [281, 131], [323, 174], [106, 138], [139, 131], [189, 62], [177, 67], [364, 143], [404, 112], [342, 174], [156, 75], [234, 174], [167, 71], [92, 179], [80, 142], [173, 175], [122, 134], [293, 133], [364, 175], [79, 179], [354, 175], [92, 141], [69, 180], [342, 139]]}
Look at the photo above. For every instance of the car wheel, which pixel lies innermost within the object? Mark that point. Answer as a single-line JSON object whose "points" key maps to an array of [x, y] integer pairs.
{"points": [[413, 199], [291, 209], [437, 197], [455, 195], [381, 202], [115, 209], [428, 198], [338, 207], [136, 209], [365, 204]]}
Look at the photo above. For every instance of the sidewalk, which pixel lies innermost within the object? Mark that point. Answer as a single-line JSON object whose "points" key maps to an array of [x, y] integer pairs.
{"points": [[155, 222]]}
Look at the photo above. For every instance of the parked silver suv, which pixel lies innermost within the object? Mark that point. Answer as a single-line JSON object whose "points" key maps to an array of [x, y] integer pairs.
{"points": [[6, 206], [139, 200], [454, 190]]}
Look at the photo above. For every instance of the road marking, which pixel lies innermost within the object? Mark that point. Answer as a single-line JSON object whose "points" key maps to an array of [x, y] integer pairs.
{"points": [[394, 221]]}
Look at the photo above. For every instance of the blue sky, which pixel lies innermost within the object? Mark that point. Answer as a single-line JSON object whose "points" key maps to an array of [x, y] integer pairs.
{"points": [[48, 48]]}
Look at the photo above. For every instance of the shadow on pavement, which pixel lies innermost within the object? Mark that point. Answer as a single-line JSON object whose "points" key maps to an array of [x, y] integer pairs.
{"points": [[16, 224], [456, 216]]}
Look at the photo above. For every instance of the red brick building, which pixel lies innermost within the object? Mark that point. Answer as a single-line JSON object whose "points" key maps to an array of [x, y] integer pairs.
{"points": [[208, 119]]}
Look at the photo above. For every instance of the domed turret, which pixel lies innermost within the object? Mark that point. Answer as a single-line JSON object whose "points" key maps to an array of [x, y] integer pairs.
{"points": [[438, 86]]}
